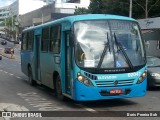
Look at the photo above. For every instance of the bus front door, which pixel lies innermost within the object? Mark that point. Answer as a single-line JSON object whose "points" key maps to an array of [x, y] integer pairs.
{"points": [[37, 54], [68, 62]]}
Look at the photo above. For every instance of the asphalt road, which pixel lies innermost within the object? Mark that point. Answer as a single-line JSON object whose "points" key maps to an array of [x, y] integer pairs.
{"points": [[14, 89]]}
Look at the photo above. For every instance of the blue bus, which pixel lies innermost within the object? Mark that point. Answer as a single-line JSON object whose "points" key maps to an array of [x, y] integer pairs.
{"points": [[86, 57]]}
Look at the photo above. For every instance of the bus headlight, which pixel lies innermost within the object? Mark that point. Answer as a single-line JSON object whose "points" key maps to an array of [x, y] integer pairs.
{"points": [[84, 80], [142, 77]]}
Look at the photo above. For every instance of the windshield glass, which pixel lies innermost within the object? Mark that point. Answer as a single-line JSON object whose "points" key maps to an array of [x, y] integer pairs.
{"points": [[96, 44], [153, 61]]}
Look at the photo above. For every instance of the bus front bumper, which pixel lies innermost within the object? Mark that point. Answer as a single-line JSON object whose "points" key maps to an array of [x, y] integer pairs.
{"points": [[90, 93]]}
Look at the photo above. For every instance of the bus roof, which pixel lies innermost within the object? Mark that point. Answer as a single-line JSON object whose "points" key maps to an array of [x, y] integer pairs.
{"points": [[82, 17]]}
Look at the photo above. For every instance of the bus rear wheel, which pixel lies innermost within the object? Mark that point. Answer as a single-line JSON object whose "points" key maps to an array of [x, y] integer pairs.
{"points": [[30, 77]]}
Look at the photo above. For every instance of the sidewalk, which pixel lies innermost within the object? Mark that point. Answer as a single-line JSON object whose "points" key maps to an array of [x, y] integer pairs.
{"points": [[7, 55], [15, 56]]}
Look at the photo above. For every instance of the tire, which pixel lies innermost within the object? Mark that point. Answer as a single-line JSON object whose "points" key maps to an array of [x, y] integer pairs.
{"points": [[58, 91], [30, 77]]}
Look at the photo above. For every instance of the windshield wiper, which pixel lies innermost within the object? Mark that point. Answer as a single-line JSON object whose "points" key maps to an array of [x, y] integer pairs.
{"points": [[103, 53], [123, 51]]}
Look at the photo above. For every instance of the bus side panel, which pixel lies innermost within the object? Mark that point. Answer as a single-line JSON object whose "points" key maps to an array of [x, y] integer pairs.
{"points": [[44, 67], [25, 61], [48, 66], [53, 67]]}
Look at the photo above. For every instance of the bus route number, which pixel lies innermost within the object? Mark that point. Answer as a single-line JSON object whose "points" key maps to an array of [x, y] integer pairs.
{"points": [[134, 74]]}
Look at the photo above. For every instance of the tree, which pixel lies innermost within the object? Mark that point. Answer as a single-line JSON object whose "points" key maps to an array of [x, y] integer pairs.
{"points": [[119, 7], [141, 8], [81, 11], [10, 28], [96, 6], [150, 8]]}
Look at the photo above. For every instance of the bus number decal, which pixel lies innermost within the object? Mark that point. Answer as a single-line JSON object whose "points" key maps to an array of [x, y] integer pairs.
{"points": [[134, 74]]}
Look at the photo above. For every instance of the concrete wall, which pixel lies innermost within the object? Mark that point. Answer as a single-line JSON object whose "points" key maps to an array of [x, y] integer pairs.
{"points": [[38, 16], [42, 15]]}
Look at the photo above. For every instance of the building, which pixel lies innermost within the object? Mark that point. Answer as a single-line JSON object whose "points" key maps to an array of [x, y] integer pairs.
{"points": [[48, 1], [14, 9], [19, 7], [151, 33], [4, 13], [55, 10], [70, 5], [34, 12]]}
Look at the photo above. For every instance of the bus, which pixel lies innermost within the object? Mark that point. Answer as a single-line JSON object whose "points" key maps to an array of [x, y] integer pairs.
{"points": [[86, 57]]}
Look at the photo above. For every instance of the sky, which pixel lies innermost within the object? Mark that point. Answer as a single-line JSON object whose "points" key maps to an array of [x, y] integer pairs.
{"points": [[6, 2], [23, 5]]}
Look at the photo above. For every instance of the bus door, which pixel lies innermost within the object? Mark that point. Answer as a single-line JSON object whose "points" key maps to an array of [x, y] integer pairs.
{"points": [[68, 62], [37, 56]]}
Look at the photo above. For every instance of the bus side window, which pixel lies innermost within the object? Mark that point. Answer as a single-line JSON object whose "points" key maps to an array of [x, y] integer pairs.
{"points": [[45, 39], [24, 41], [55, 41], [30, 39]]}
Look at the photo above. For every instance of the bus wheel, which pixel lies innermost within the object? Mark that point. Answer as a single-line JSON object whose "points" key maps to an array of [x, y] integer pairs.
{"points": [[30, 78], [58, 91]]}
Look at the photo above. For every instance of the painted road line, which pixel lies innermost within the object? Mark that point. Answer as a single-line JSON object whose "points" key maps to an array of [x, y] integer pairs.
{"points": [[37, 101], [5, 72], [18, 77], [11, 74], [86, 108]]}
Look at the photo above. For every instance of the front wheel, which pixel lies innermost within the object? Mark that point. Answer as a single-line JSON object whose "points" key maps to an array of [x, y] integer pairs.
{"points": [[58, 91]]}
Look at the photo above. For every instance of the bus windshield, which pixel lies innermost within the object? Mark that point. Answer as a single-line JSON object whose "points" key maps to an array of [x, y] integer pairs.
{"points": [[108, 44]]}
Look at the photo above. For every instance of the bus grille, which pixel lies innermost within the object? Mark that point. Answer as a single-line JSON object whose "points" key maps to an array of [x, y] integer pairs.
{"points": [[93, 77], [110, 83]]}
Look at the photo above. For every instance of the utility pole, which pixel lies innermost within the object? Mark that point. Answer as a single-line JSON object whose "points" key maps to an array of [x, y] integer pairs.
{"points": [[146, 11], [130, 8], [5, 22], [12, 22], [42, 18]]}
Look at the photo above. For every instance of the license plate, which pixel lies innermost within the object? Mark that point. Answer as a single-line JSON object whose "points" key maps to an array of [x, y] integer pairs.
{"points": [[116, 91]]}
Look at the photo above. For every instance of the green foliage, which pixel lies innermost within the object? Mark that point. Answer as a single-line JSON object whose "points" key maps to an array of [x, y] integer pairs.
{"points": [[81, 11], [10, 21], [10, 28], [2, 24], [117, 7], [96, 6], [121, 7]]}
